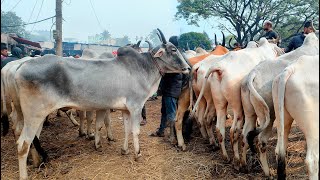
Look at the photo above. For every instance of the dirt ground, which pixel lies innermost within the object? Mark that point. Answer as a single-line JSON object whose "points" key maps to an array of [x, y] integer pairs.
{"points": [[71, 157]]}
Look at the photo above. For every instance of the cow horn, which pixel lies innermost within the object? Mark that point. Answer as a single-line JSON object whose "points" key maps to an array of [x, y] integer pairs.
{"points": [[188, 46], [223, 39], [232, 47], [164, 41], [159, 37], [150, 45], [215, 40], [138, 44]]}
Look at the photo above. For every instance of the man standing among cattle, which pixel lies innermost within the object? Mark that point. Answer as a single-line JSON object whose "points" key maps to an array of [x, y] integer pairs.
{"points": [[270, 34], [170, 86], [297, 40], [4, 51]]}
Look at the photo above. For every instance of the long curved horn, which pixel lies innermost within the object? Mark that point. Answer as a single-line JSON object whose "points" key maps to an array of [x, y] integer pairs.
{"points": [[232, 47], [188, 46], [162, 36], [138, 44], [159, 37], [150, 45], [215, 39], [223, 39]]}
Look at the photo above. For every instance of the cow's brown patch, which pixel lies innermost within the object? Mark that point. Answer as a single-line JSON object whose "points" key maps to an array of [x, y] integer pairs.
{"points": [[24, 149]]}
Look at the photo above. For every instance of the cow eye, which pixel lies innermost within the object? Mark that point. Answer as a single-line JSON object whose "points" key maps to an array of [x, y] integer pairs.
{"points": [[174, 50]]}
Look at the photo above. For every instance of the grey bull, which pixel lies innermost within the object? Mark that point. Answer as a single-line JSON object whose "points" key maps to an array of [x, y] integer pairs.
{"points": [[124, 83]]}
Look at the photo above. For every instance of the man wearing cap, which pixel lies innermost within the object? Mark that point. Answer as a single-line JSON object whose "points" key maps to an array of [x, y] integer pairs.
{"points": [[270, 34], [297, 40]]}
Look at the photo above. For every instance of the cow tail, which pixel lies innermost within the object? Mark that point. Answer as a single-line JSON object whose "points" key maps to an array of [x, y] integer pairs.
{"points": [[211, 70], [279, 96], [193, 77], [257, 101], [4, 118]]}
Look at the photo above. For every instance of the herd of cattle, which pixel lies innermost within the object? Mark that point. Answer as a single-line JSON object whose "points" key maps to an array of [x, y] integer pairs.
{"points": [[260, 83]]}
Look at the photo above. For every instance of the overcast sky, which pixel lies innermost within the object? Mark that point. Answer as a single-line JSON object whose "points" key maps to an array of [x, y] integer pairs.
{"points": [[120, 17]]}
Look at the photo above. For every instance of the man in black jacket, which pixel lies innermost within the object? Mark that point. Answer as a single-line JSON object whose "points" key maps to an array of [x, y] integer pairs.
{"points": [[170, 86], [297, 40]]}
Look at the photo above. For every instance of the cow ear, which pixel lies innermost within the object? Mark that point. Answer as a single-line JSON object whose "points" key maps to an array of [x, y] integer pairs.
{"points": [[159, 53]]}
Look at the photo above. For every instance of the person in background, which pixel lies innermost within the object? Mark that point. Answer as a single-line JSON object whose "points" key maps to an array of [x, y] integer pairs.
{"points": [[16, 54], [170, 85], [297, 40], [4, 51], [77, 56], [37, 53], [270, 34]]}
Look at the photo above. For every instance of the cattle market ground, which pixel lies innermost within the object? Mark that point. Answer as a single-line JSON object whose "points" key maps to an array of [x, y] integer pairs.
{"points": [[72, 157]]}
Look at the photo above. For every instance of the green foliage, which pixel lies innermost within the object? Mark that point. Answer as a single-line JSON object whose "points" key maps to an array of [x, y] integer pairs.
{"points": [[245, 18], [11, 19], [194, 40], [105, 35], [122, 41]]}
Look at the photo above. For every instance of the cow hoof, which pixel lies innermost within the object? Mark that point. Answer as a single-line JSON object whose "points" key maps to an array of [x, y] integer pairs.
{"points": [[227, 159], [244, 169], [99, 148], [236, 164], [111, 139], [91, 136], [124, 152], [82, 134], [138, 158], [215, 148], [184, 148]]}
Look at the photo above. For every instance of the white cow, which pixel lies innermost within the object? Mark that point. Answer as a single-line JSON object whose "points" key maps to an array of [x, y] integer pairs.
{"points": [[225, 82], [296, 97], [256, 96]]}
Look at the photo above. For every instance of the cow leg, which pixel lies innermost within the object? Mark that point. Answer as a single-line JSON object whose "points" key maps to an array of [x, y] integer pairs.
{"points": [[221, 131], [282, 144], [312, 158], [127, 127], [71, 117], [107, 122], [235, 131], [82, 116], [99, 122], [209, 125], [89, 123], [201, 122], [183, 104], [249, 125], [30, 128], [135, 128], [262, 146]]}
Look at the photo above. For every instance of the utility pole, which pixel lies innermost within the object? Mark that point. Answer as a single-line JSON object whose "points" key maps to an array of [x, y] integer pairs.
{"points": [[59, 27]]}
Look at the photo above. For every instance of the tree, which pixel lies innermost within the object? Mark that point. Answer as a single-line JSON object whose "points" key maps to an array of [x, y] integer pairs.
{"points": [[194, 40], [122, 41], [247, 16], [105, 35], [11, 19], [153, 37]]}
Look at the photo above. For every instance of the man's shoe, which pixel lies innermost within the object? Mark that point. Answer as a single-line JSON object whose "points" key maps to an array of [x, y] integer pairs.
{"points": [[157, 134]]}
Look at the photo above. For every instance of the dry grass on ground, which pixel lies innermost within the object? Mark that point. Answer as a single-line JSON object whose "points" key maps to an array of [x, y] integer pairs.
{"points": [[72, 157]]}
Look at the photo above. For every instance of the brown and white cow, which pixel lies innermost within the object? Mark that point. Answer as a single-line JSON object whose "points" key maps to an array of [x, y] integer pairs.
{"points": [[225, 83]]}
